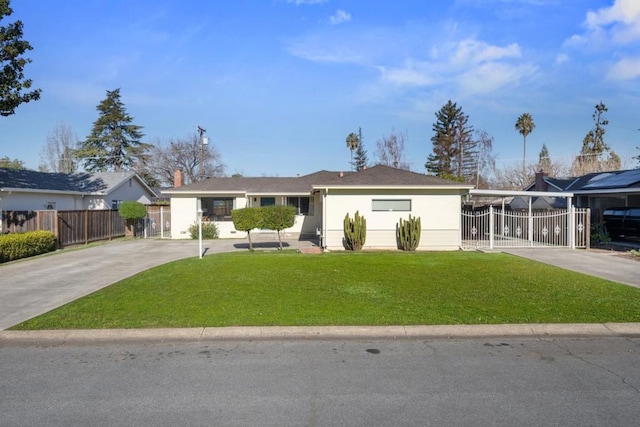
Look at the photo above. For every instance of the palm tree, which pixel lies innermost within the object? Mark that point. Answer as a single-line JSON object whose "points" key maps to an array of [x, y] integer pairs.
{"points": [[352, 143], [524, 126]]}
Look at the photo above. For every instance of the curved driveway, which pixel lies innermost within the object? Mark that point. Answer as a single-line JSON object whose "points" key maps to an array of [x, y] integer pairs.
{"points": [[34, 286]]}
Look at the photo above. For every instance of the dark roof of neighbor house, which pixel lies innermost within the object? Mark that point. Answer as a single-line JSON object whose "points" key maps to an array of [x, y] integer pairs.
{"points": [[595, 181], [82, 182], [376, 176]]}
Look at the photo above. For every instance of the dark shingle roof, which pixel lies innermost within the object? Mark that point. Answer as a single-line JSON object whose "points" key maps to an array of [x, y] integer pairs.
{"points": [[376, 176], [78, 182]]}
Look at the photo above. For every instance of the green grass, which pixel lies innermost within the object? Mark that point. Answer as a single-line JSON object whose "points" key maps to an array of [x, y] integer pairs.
{"points": [[366, 288]]}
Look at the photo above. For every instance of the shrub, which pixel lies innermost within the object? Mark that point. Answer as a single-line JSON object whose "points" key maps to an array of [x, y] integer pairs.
{"points": [[131, 211], [278, 218], [355, 231], [24, 245], [209, 231], [246, 219], [408, 233], [599, 234]]}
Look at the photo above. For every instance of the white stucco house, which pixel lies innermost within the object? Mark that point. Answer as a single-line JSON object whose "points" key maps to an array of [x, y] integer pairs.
{"points": [[27, 190], [381, 194]]}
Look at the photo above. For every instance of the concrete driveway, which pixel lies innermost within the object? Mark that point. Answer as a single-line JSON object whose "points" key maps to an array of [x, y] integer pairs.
{"points": [[607, 265], [34, 286]]}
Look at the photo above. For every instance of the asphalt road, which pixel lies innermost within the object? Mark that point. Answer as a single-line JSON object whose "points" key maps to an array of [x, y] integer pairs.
{"points": [[479, 382]]}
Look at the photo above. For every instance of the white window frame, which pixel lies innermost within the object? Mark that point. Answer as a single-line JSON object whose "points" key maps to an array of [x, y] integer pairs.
{"points": [[391, 205]]}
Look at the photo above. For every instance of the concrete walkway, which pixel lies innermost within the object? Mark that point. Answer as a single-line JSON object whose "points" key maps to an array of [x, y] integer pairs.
{"points": [[606, 265], [34, 286]]}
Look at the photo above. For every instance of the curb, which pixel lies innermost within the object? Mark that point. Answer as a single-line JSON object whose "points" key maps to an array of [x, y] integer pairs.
{"points": [[257, 333]]}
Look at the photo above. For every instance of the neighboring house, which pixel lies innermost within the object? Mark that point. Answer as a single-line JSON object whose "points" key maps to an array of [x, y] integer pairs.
{"points": [[381, 194], [598, 190], [27, 190]]}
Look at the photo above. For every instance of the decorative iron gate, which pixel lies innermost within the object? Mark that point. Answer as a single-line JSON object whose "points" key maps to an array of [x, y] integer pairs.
{"points": [[494, 228]]}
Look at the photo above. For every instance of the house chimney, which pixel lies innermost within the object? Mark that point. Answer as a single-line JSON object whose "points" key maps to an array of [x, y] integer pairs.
{"points": [[341, 174], [177, 178], [541, 184]]}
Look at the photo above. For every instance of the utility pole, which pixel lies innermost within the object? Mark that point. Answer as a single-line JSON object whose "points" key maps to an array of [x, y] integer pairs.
{"points": [[203, 141]]}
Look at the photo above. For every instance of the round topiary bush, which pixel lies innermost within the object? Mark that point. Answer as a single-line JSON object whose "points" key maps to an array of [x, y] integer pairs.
{"points": [[131, 211]]}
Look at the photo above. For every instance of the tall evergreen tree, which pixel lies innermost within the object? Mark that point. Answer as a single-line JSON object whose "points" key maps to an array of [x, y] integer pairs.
{"points": [[360, 161], [114, 143], [452, 137], [12, 62], [524, 126], [592, 154], [544, 160]]}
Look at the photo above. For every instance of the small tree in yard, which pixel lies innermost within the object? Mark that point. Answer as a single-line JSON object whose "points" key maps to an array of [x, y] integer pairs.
{"points": [[278, 218], [131, 211], [246, 219]]}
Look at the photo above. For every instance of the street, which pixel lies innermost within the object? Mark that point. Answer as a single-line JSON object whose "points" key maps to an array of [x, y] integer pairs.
{"points": [[316, 382]]}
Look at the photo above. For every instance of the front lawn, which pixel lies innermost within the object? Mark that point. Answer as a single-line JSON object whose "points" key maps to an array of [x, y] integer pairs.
{"points": [[366, 288]]}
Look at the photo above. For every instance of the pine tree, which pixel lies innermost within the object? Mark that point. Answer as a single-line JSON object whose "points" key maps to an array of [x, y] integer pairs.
{"points": [[114, 143], [544, 160], [592, 154], [452, 138], [360, 160]]}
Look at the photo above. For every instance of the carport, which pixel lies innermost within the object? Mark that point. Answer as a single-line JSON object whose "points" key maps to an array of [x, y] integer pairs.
{"points": [[494, 224]]}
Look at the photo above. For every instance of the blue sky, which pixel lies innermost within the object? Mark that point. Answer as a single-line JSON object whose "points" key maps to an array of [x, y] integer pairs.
{"points": [[278, 84]]}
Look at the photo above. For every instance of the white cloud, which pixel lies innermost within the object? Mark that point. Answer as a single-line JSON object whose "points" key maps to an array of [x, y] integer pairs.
{"points": [[492, 76], [471, 51], [625, 69], [618, 24], [340, 17]]}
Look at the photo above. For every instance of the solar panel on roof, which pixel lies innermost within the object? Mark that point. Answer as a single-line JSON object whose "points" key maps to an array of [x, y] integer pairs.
{"points": [[623, 179]]}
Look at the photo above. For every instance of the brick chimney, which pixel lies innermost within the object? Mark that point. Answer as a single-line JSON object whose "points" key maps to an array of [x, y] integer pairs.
{"points": [[178, 178], [541, 184]]}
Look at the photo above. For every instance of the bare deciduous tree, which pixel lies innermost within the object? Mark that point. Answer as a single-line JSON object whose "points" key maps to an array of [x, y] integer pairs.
{"points": [[390, 151], [183, 154], [57, 153]]}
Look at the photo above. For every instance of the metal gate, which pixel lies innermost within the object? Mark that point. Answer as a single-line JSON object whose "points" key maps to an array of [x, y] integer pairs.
{"points": [[494, 228], [158, 222]]}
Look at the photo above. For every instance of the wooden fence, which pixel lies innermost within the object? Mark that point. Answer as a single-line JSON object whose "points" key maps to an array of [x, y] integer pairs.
{"points": [[69, 227]]}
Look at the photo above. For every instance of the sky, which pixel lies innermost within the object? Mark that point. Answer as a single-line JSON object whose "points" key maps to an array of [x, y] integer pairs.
{"points": [[279, 84]]}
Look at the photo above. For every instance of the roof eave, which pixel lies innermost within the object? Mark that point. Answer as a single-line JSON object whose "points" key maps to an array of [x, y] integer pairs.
{"points": [[40, 190]]}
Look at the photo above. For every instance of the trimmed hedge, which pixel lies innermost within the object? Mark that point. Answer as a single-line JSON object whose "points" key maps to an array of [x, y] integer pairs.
{"points": [[24, 245]]}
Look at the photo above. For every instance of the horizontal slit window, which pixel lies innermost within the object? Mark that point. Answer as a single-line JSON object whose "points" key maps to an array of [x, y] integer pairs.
{"points": [[391, 205]]}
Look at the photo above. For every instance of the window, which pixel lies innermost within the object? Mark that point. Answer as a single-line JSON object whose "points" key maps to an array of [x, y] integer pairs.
{"points": [[50, 205], [303, 205], [391, 205], [115, 204], [217, 208], [267, 201]]}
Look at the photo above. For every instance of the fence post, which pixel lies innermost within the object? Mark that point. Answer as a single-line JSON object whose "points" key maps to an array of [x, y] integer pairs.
{"points": [[571, 235], [86, 227], [587, 228], [491, 226], [162, 222]]}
